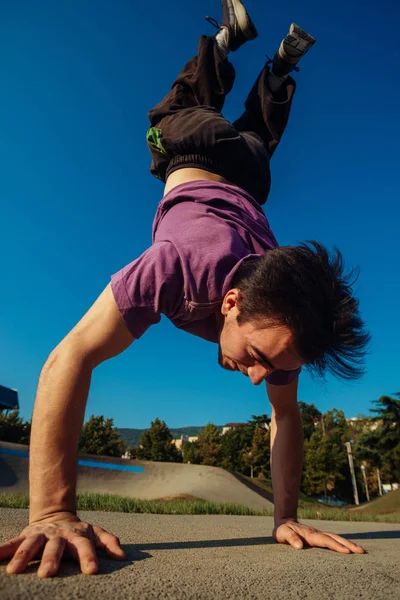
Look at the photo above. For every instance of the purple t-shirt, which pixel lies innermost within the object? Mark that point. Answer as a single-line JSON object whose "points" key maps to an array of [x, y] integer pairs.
{"points": [[202, 232]]}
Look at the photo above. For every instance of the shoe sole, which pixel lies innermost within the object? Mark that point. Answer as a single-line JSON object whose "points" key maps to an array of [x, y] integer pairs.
{"points": [[245, 23], [299, 32], [298, 40]]}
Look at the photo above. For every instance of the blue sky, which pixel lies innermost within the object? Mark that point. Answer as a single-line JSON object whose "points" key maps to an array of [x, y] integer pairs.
{"points": [[77, 200]]}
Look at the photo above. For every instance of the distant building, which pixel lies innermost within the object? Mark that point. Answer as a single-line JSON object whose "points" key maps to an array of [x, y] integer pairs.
{"points": [[370, 424], [8, 399], [183, 439], [389, 487], [230, 426]]}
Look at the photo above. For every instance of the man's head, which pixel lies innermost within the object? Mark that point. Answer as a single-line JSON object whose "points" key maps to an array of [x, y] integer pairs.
{"points": [[293, 306]]}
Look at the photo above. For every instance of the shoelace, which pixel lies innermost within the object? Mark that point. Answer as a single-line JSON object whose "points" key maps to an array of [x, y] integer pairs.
{"points": [[213, 22]]}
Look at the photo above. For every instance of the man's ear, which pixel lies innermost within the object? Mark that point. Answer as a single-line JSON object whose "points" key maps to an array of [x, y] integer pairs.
{"points": [[230, 301]]}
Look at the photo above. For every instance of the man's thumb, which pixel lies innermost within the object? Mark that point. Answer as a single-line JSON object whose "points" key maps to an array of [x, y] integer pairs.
{"points": [[295, 541]]}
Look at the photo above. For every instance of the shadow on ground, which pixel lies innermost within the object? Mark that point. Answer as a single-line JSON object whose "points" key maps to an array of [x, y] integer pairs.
{"points": [[70, 567], [372, 535]]}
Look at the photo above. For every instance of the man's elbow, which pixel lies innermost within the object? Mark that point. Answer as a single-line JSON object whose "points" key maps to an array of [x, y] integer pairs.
{"points": [[67, 351]]}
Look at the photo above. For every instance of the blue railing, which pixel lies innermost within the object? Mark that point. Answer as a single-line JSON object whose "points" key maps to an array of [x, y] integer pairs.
{"points": [[83, 463]]}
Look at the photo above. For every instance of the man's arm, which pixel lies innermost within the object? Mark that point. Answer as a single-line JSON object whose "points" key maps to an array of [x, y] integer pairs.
{"points": [[57, 421], [286, 470], [286, 450], [60, 405]]}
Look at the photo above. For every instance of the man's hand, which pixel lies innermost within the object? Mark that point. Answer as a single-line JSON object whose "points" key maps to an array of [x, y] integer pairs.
{"points": [[66, 535], [297, 535]]}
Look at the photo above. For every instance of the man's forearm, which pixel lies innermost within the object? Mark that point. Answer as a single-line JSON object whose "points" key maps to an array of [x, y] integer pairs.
{"points": [[57, 421], [286, 463]]}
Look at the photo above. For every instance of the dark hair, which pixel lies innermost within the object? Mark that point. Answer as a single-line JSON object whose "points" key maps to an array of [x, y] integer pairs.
{"points": [[305, 288]]}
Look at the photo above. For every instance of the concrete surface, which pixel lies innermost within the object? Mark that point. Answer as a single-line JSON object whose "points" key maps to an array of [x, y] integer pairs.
{"points": [[213, 558], [159, 480]]}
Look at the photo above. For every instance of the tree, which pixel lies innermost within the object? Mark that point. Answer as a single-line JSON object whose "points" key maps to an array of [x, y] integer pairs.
{"points": [[260, 453], [156, 444], [325, 460], [237, 446], [316, 472], [310, 416], [189, 453], [233, 444], [367, 447], [13, 428], [260, 420], [366, 451], [99, 436], [209, 445], [388, 415]]}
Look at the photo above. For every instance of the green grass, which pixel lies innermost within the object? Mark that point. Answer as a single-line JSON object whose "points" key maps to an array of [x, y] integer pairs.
{"points": [[111, 503], [181, 506], [14, 500], [389, 503], [195, 506], [342, 514]]}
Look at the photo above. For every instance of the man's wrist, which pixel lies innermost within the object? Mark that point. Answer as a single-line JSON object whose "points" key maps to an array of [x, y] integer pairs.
{"points": [[60, 508], [279, 520], [49, 517]]}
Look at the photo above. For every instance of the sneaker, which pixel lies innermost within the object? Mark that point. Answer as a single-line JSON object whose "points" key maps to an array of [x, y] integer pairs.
{"points": [[237, 22], [293, 47]]}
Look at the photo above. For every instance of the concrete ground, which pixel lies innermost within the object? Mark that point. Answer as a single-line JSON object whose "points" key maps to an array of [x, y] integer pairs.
{"points": [[216, 557]]}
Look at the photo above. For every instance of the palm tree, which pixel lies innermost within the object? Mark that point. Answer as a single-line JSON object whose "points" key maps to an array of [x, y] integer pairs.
{"points": [[388, 415]]}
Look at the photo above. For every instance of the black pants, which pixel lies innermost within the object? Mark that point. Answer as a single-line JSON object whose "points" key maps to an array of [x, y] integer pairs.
{"points": [[188, 129]]}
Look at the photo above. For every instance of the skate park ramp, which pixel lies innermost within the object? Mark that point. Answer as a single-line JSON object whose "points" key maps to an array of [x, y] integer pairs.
{"points": [[139, 479], [388, 503]]}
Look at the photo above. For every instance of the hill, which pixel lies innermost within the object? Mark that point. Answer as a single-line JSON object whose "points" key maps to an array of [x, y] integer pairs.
{"points": [[389, 503], [131, 437]]}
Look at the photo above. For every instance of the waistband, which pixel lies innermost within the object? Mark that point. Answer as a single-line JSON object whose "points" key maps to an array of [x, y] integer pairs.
{"points": [[196, 161], [257, 187]]}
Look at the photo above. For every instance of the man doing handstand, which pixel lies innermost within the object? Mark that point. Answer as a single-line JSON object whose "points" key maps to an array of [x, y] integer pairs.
{"points": [[216, 271]]}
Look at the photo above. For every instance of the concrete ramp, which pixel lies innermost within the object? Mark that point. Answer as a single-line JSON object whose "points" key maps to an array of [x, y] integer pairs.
{"points": [[145, 480]]}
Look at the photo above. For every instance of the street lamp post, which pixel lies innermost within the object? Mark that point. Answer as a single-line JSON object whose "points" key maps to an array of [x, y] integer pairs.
{"points": [[378, 475], [365, 481], [352, 472]]}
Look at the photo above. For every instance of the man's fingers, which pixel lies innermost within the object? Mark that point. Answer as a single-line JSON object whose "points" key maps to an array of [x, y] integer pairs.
{"points": [[51, 558], [25, 553], [285, 534], [109, 543], [83, 550], [8, 549], [323, 540], [292, 533], [295, 540], [350, 545]]}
